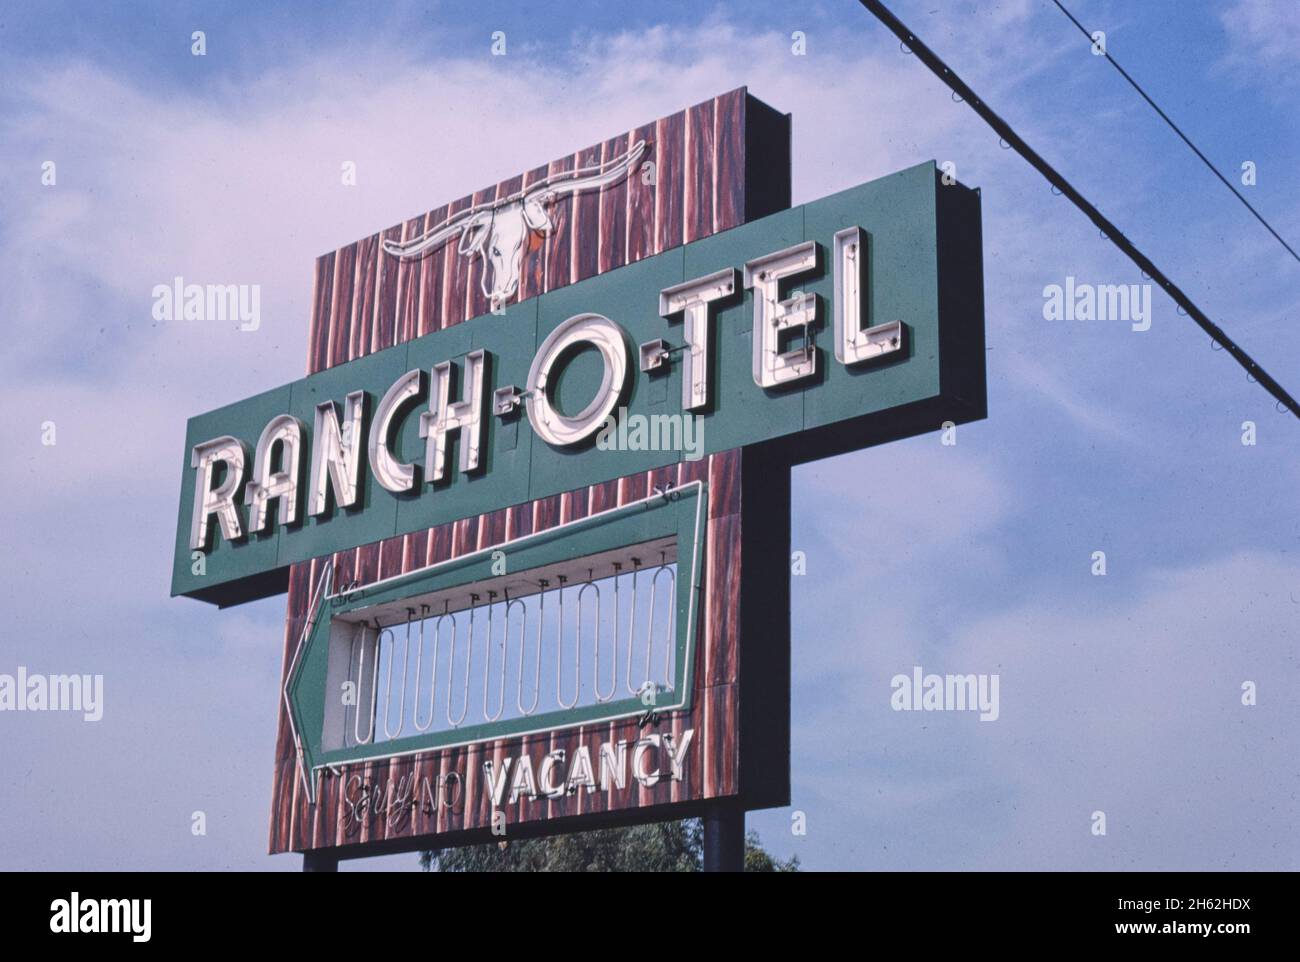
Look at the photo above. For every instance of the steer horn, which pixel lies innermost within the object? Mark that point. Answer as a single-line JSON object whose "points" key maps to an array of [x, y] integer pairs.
{"points": [[545, 190], [430, 239], [595, 177]]}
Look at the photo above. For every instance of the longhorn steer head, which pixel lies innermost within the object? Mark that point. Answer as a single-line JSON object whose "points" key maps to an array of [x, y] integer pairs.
{"points": [[496, 232]]}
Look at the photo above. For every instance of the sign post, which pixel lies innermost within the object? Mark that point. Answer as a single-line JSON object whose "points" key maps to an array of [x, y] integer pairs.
{"points": [[724, 838], [531, 502]]}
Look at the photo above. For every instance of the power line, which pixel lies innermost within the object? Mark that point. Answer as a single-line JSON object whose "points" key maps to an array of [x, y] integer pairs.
{"points": [[1108, 230], [1175, 128]]}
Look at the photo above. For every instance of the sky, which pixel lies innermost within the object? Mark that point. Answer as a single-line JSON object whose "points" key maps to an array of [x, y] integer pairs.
{"points": [[1119, 693]]}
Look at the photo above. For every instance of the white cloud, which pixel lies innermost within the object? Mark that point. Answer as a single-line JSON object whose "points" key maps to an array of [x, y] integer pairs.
{"points": [[920, 498], [1128, 703], [1263, 36], [1097, 416]]}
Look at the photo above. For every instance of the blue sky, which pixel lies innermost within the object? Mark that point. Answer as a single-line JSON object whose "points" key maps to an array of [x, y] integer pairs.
{"points": [[1119, 693]]}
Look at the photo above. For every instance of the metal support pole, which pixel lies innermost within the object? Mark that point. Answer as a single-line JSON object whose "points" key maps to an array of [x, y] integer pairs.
{"points": [[320, 861], [724, 838]]}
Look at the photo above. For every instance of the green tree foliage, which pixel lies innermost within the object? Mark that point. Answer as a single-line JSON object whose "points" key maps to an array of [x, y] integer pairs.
{"points": [[757, 859], [659, 847]]}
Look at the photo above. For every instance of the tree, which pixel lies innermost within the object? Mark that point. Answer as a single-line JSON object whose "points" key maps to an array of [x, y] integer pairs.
{"points": [[657, 847]]}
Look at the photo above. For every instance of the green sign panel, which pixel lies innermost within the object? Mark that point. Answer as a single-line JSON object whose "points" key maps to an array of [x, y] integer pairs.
{"points": [[844, 322]]}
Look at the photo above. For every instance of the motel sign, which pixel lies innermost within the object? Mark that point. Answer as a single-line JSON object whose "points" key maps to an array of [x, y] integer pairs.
{"points": [[530, 503], [334, 475]]}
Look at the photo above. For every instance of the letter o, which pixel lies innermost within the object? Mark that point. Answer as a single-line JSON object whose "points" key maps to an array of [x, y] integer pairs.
{"points": [[552, 426]]}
